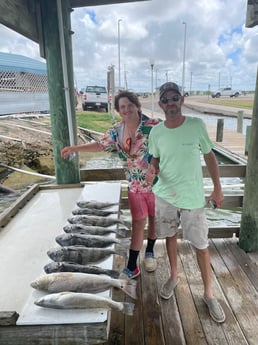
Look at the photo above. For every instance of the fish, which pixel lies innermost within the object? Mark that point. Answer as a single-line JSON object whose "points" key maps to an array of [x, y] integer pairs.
{"points": [[96, 204], [93, 212], [63, 266], [83, 255], [93, 230], [71, 239], [98, 221], [78, 300], [83, 282]]}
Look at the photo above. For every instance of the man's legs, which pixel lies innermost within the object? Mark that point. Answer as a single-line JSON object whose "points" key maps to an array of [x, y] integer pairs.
{"points": [[167, 289], [215, 309], [171, 244], [203, 259]]}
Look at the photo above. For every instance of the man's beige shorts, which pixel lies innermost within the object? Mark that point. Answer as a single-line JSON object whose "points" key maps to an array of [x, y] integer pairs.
{"points": [[193, 222]]}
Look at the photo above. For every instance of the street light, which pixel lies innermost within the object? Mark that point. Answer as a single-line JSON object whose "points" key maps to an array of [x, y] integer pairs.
{"points": [[119, 67], [183, 72], [152, 96]]}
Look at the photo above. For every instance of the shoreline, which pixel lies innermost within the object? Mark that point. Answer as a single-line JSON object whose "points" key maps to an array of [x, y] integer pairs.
{"points": [[203, 106]]}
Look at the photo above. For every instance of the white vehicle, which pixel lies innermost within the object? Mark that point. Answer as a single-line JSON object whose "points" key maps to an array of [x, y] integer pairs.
{"points": [[225, 91], [95, 97]]}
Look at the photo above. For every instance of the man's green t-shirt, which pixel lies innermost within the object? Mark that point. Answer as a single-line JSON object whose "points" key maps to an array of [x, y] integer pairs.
{"points": [[179, 150]]}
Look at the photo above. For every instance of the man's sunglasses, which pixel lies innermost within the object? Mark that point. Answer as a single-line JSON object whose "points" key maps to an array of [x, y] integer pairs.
{"points": [[165, 100]]}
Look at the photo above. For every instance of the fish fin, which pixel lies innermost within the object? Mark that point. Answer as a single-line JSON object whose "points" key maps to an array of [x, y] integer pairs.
{"points": [[128, 308], [124, 242], [121, 232], [128, 288], [126, 223], [121, 252]]}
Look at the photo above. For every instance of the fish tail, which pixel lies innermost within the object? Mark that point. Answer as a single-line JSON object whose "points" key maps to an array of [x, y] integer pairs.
{"points": [[126, 223], [121, 252], [124, 242], [128, 308], [114, 274], [121, 232], [129, 289]]}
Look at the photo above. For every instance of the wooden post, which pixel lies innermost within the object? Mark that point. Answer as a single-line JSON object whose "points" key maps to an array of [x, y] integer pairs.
{"points": [[67, 171], [240, 117], [248, 240], [247, 139], [220, 126]]}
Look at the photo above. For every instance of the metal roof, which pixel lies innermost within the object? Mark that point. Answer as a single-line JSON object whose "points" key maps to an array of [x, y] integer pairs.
{"points": [[20, 63]]}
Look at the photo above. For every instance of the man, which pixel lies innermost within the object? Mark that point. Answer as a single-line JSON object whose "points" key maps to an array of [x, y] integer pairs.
{"points": [[175, 145], [129, 139]]}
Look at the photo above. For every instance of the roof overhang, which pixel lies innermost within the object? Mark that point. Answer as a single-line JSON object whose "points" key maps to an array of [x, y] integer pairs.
{"points": [[23, 16]]}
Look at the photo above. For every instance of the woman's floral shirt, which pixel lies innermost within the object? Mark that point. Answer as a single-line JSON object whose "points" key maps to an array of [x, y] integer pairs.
{"points": [[136, 162]]}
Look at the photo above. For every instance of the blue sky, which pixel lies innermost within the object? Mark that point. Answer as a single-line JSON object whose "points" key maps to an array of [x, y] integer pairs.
{"points": [[219, 48]]}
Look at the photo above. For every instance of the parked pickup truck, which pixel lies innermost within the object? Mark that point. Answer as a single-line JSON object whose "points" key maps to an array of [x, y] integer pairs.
{"points": [[95, 97], [226, 91]]}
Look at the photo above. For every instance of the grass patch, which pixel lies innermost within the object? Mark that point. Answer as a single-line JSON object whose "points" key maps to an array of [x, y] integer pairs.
{"points": [[99, 122], [233, 102]]}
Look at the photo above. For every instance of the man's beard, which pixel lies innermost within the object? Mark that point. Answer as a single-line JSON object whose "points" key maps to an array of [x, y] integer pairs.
{"points": [[172, 110]]}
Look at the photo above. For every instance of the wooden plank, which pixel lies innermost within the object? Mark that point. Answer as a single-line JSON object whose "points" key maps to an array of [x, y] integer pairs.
{"points": [[244, 261], [117, 320], [230, 201], [59, 334], [228, 170], [192, 327], [102, 174], [84, 3], [172, 327], [151, 316], [224, 232], [10, 212], [239, 293], [8, 318], [134, 332], [20, 16], [214, 332]]}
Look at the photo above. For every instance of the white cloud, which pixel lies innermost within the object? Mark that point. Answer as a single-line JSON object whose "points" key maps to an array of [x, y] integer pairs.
{"points": [[218, 46]]}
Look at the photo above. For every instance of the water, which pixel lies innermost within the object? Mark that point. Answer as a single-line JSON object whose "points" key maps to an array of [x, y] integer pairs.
{"points": [[211, 120]]}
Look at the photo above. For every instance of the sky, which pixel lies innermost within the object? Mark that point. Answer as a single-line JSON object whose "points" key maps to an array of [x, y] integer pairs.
{"points": [[206, 41]]}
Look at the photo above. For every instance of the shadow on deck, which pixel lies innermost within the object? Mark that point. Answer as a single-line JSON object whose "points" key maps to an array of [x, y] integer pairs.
{"points": [[184, 319]]}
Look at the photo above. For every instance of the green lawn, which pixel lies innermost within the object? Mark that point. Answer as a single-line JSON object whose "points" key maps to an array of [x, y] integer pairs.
{"points": [[96, 121], [233, 102]]}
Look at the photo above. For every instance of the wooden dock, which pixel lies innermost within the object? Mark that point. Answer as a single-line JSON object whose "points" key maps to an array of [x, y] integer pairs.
{"points": [[232, 141], [184, 319]]}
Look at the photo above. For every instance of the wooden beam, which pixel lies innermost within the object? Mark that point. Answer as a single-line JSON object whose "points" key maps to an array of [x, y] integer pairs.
{"points": [[228, 170], [85, 3], [231, 170], [20, 16], [66, 171], [230, 201], [102, 174], [248, 240]]}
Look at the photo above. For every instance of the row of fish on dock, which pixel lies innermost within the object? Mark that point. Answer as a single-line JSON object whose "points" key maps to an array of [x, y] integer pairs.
{"points": [[74, 278]]}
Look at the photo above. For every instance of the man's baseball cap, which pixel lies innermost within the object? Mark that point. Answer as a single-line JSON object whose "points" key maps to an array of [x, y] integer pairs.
{"points": [[169, 86]]}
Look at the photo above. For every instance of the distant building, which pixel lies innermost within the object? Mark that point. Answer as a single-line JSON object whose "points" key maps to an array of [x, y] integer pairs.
{"points": [[23, 84]]}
